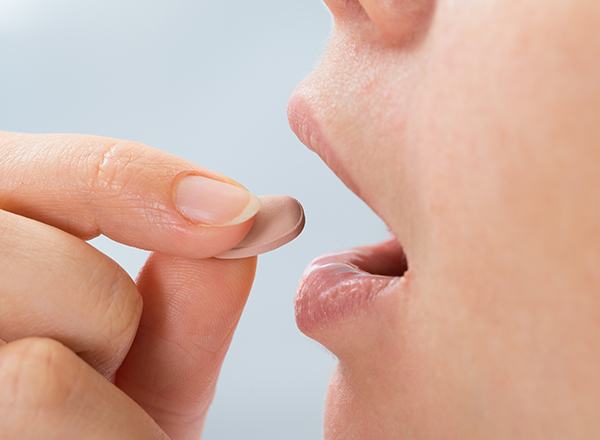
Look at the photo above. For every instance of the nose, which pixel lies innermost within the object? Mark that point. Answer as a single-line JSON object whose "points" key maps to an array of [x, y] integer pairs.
{"points": [[394, 21]]}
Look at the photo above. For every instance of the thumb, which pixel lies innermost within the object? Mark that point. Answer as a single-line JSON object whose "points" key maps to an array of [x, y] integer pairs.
{"points": [[191, 309]]}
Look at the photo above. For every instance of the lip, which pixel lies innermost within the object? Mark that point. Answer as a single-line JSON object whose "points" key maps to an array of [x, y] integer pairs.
{"points": [[337, 286], [308, 130]]}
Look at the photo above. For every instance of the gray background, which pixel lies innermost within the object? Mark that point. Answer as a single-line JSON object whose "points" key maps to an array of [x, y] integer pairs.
{"points": [[209, 81]]}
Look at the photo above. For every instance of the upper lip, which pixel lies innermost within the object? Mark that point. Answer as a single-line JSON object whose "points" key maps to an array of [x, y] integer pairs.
{"points": [[303, 123], [308, 130]]}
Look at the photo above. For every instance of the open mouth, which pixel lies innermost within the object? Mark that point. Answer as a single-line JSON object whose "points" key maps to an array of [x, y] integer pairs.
{"points": [[339, 285]]}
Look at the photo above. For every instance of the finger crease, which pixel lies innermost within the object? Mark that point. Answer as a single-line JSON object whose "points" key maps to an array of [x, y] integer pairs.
{"points": [[104, 165]]}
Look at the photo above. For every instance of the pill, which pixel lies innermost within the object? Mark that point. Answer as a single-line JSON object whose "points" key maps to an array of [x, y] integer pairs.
{"points": [[279, 220]]}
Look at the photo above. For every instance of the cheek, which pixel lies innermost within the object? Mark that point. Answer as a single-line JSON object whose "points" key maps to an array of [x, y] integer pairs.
{"points": [[506, 158], [497, 137]]}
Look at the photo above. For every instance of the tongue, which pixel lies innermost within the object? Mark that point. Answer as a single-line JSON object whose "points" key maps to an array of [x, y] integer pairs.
{"points": [[385, 258]]}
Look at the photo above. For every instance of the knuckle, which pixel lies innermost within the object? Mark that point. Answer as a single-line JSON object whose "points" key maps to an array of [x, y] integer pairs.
{"points": [[125, 305], [112, 165], [119, 305], [36, 374]]}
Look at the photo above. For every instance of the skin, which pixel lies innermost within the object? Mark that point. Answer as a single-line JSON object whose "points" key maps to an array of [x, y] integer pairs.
{"points": [[86, 352], [473, 130]]}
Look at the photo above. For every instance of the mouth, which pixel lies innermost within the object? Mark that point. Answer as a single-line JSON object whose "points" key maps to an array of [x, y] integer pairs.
{"points": [[339, 286]]}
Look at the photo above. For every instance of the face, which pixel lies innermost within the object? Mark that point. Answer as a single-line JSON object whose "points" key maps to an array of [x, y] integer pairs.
{"points": [[473, 130]]}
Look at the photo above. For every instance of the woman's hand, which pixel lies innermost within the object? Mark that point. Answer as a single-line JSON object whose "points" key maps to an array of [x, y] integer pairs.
{"points": [[80, 357]]}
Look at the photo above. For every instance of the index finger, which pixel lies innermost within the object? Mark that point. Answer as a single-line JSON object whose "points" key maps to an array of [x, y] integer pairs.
{"points": [[132, 193]]}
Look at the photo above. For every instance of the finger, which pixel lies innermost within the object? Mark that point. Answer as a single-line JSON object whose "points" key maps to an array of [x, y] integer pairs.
{"points": [[55, 285], [49, 393], [191, 310], [132, 193]]}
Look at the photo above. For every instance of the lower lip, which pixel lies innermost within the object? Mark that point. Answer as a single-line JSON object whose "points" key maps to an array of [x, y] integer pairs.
{"points": [[338, 286]]}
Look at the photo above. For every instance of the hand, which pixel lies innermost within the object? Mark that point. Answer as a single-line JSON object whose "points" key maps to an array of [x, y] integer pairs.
{"points": [[80, 357]]}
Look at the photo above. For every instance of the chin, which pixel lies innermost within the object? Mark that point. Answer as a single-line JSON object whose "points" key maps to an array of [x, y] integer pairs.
{"points": [[355, 413]]}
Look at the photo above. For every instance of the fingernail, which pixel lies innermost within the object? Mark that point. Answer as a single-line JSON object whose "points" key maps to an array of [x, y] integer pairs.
{"points": [[212, 202]]}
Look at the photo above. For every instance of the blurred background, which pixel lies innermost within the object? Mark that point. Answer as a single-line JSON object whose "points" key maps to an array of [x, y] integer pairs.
{"points": [[208, 81]]}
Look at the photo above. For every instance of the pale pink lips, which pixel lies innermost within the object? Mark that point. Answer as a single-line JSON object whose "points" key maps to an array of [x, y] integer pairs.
{"points": [[308, 131], [338, 285]]}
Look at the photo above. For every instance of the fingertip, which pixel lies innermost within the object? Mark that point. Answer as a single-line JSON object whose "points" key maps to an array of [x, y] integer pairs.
{"points": [[211, 200]]}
